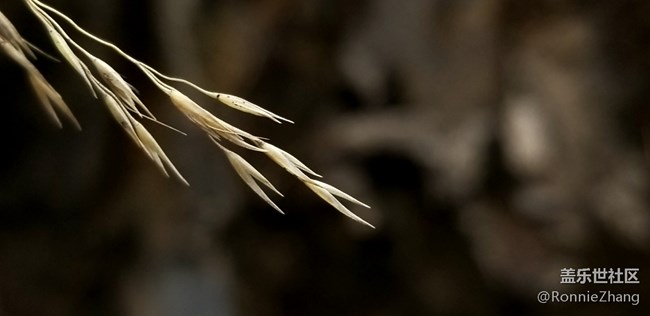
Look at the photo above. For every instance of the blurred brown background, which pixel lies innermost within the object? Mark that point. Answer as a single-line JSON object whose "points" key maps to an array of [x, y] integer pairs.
{"points": [[498, 142]]}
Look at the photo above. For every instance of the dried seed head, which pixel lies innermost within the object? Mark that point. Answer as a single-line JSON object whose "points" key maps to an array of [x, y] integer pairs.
{"points": [[288, 161], [151, 147], [329, 198], [122, 117], [277, 155], [240, 104], [10, 34], [334, 191], [67, 53], [120, 98], [322, 189], [249, 174], [50, 99], [188, 107], [198, 115], [16, 54], [119, 86], [238, 136], [212, 125]]}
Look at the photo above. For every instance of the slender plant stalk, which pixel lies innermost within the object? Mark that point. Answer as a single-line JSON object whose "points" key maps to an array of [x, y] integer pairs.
{"points": [[105, 83]]}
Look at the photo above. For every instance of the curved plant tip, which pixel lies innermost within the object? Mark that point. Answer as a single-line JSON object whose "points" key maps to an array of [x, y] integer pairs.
{"points": [[249, 174], [248, 107], [329, 198]]}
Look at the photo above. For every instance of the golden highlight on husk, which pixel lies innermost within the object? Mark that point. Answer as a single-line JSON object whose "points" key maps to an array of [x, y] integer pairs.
{"points": [[106, 84]]}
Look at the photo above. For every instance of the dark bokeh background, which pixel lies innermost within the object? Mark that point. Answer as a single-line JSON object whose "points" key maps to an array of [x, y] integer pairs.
{"points": [[498, 142]]}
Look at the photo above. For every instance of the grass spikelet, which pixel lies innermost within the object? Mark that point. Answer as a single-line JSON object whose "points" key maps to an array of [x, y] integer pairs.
{"points": [[51, 99], [10, 34], [16, 54], [288, 161], [196, 114], [67, 53], [248, 107], [212, 125], [48, 97], [334, 191], [277, 155], [155, 152], [249, 174], [119, 86], [122, 117], [331, 200]]}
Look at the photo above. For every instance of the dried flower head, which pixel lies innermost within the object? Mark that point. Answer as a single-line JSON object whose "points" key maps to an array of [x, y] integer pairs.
{"points": [[9, 33], [119, 86], [49, 98], [248, 107], [121, 100]]}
